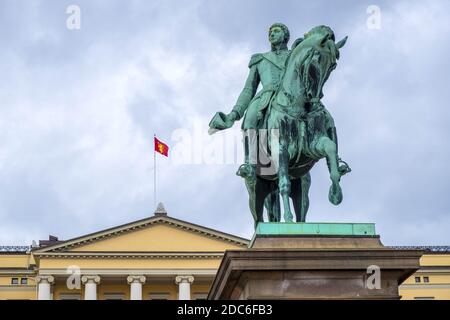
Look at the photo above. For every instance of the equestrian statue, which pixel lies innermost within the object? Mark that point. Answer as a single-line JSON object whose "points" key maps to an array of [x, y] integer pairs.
{"points": [[286, 127]]}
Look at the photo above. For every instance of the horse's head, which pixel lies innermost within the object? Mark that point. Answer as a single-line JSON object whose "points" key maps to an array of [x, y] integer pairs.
{"points": [[316, 57]]}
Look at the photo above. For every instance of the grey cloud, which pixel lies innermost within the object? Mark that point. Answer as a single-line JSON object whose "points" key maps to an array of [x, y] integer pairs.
{"points": [[79, 109]]}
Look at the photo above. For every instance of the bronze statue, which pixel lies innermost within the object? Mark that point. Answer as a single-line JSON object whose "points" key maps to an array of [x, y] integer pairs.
{"points": [[288, 117]]}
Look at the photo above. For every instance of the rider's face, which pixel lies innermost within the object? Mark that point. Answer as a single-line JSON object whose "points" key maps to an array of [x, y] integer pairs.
{"points": [[276, 36]]}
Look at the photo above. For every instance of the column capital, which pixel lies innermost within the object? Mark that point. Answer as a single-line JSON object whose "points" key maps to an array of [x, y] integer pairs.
{"points": [[45, 279], [136, 279], [90, 279], [184, 279]]}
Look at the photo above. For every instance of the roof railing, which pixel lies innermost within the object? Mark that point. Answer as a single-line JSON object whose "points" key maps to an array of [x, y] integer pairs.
{"points": [[15, 248], [425, 248]]}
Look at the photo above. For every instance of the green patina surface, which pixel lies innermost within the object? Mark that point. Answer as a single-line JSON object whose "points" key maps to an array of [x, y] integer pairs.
{"points": [[287, 128], [323, 229]]}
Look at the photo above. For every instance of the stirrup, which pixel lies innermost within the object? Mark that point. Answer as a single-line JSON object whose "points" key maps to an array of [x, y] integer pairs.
{"points": [[343, 167]]}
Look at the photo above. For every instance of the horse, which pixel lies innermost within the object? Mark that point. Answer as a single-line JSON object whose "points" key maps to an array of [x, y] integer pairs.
{"points": [[300, 132]]}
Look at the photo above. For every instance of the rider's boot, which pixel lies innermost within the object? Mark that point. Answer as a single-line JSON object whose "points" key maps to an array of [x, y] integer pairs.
{"points": [[248, 172], [248, 169]]}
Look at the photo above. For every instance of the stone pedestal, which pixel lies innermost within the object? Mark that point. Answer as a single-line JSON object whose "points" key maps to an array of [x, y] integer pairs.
{"points": [[314, 261]]}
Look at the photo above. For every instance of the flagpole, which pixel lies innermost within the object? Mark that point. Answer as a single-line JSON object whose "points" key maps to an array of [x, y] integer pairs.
{"points": [[154, 172]]}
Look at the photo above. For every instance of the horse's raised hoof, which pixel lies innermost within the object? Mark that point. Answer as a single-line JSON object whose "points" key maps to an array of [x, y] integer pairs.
{"points": [[335, 194]]}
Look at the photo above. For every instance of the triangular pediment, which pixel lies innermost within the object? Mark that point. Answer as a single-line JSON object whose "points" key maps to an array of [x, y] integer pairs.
{"points": [[152, 235]]}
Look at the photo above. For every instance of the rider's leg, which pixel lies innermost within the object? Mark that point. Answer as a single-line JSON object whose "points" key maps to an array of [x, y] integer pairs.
{"points": [[248, 169]]}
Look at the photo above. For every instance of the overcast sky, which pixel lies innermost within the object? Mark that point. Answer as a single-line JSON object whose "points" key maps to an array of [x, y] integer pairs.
{"points": [[78, 110]]}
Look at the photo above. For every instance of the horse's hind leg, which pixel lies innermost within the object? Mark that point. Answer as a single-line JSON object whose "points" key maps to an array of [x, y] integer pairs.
{"points": [[272, 203], [299, 195], [327, 148], [262, 191]]}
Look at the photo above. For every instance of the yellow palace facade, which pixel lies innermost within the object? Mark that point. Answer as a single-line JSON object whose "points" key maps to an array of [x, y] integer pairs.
{"points": [[158, 258]]}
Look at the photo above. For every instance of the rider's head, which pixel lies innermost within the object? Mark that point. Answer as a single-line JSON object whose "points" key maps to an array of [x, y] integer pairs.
{"points": [[278, 35]]}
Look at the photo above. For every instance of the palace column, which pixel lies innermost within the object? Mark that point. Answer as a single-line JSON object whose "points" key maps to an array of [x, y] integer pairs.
{"points": [[184, 287], [44, 284], [90, 287], [136, 283]]}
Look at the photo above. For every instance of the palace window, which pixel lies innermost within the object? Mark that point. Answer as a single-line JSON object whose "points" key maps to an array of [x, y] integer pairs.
{"points": [[69, 296], [14, 280], [114, 296], [417, 279], [200, 296], [23, 280], [426, 279], [159, 296]]}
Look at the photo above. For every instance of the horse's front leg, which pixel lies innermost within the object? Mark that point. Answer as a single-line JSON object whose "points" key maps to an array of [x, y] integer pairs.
{"points": [[328, 149], [284, 182]]}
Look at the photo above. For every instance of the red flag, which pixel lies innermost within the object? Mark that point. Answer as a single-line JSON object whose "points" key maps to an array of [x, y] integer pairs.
{"points": [[161, 147]]}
